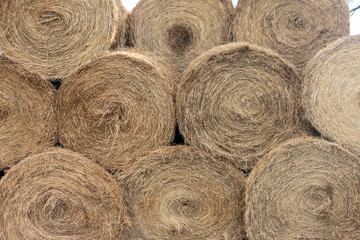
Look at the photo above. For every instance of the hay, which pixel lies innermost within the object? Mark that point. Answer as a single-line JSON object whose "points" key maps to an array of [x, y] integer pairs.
{"points": [[116, 109], [236, 101], [27, 114], [60, 195], [180, 30], [54, 38], [331, 92], [183, 193], [295, 29], [305, 189]]}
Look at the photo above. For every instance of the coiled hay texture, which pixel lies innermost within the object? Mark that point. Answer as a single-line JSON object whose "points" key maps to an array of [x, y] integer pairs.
{"points": [[117, 108], [28, 121], [305, 189], [331, 92], [295, 29], [54, 38], [60, 195], [236, 101], [180, 30], [182, 193]]}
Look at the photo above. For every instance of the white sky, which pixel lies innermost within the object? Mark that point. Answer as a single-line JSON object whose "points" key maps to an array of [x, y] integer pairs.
{"points": [[354, 19]]}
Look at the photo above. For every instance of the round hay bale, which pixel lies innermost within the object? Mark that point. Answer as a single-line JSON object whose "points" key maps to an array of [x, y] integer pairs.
{"points": [[331, 92], [28, 121], [236, 101], [117, 108], [57, 195], [295, 29], [182, 193], [55, 38], [180, 30], [305, 189]]}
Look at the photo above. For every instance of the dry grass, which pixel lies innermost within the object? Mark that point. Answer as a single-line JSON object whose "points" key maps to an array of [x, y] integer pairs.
{"points": [[295, 29], [180, 30], [305, 189], [60, 195], [27, 114], [332, 92], [238, 100], [183, 193], [55, 37], [117, 108]]}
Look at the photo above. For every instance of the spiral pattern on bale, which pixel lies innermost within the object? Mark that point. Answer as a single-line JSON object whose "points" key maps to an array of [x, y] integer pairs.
{"points": [[331, 92], [305, 189], [57, 195], [27, 114], [236, 101], [180, 30], [53, 38], [117, 108], [295, 29], [182, 193]]}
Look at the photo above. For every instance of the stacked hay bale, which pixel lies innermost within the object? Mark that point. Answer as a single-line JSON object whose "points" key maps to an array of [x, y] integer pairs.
{"points": [[304, 189], [28, 122], [183, 193], [332, 90], [297, 30], [117, 108], [238, 106], [237, 101], [180, 30], [54, 38], [59, 194]]}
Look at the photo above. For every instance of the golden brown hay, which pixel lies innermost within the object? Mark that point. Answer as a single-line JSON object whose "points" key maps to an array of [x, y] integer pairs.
{"points": [[305, 189], [183, 193], [236, 101], [27, 114], [55, 37], [117, 108], [57, 195], [332, 90], [295, 29], [180, 30]]}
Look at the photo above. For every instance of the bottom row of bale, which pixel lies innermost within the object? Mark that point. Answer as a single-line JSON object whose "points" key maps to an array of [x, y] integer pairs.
{"points": [[306, 188]]}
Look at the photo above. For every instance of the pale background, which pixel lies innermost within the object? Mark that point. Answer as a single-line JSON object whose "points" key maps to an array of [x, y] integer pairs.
{"points": [[354, 19]]}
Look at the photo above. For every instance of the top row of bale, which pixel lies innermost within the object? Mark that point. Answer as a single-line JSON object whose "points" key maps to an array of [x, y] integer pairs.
{"points": [[54, 39]]}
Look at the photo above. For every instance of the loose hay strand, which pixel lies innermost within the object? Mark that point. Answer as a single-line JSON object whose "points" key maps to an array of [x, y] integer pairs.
{"points": [[331, 92], [57, 195], [28, 121], [306, 188], [236, 101], [116, 109], [180, 30], [183, 193], [295, 29], [54, 38]]}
